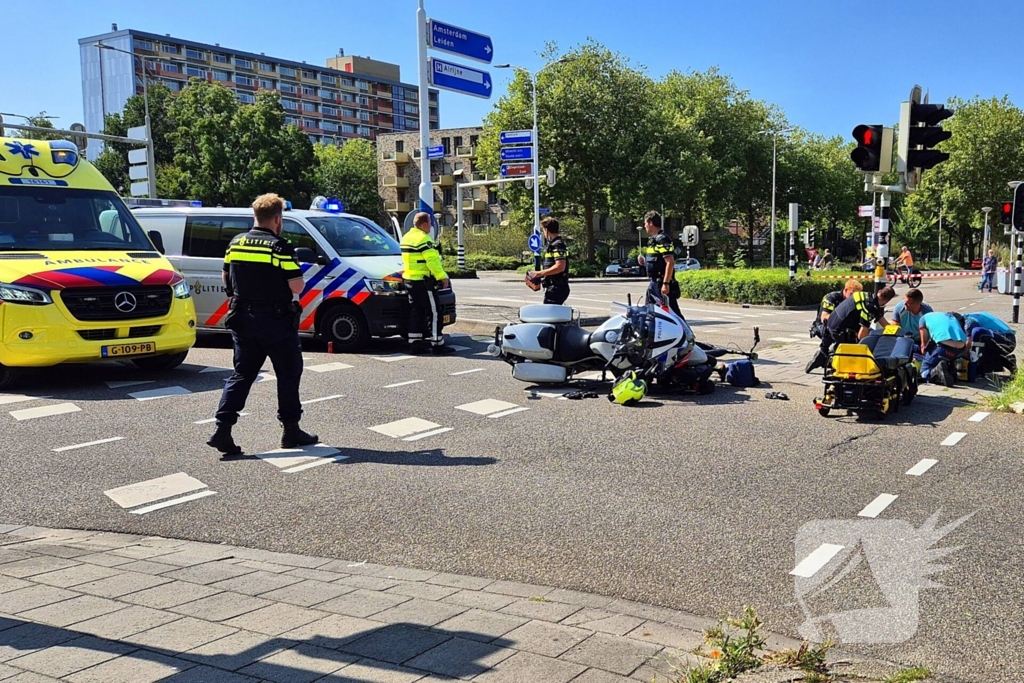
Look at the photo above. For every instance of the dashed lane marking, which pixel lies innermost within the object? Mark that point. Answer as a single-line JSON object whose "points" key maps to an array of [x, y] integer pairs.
{"points": [[435, 432], [292, 460], [486, 406], [321, 400], [86, 445], [121, 384], [402, 384], [165, 489], [328, 367], [465, 372], [816, 560], [44, 411], [409, 426], [214, 368], [978, 417], [877, 506], [513, 411], [17, 398], [162, 392], [211, 420], [922, 467], [953, 439], [395, 357]]}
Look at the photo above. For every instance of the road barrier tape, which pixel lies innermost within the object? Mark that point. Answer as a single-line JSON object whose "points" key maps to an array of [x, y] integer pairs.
{"points": [[951, 273]]}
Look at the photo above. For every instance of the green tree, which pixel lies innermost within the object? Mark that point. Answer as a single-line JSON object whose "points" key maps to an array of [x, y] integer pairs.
{"points": [[349, 172], [113, 161], [228, 153]]}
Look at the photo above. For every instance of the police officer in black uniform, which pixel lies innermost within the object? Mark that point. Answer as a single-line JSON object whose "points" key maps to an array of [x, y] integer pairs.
{"points": [[660, 258], [850, 322], [262, 276], [555, 272]]}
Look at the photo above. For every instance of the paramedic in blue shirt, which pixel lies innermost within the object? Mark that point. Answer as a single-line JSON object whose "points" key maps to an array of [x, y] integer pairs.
{"points": [[943, 341], [908, 312], [999, 341]]}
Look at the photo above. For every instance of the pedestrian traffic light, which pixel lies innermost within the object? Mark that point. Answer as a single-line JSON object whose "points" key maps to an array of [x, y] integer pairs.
{"points": [[873, 153], [1007, 212]]}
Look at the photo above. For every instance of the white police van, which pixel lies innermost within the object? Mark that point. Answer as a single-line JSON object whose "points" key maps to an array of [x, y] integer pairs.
{"points": [[352, 267]]}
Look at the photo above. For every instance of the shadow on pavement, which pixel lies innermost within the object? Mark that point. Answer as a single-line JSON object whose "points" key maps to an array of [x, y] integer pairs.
{"points": [[428, 458], [386, 649]]}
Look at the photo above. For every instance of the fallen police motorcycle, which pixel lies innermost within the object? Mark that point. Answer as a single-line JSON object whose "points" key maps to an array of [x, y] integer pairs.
{"points": [[549, 346]]}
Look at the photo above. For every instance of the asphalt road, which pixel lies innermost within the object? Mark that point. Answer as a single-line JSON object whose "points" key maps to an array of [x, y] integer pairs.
{"points": [[699, 503]]}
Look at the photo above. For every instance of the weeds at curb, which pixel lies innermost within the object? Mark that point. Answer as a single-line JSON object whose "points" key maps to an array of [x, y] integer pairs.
{"points": [[917, 673]]}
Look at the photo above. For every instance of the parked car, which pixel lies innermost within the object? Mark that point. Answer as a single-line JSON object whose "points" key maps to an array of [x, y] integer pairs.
{"points": [[685, 264], [625, 269], [976, 264]]}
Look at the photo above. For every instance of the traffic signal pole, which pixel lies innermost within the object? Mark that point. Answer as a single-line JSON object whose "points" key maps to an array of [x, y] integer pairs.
{"points": [[1016, 278], [882, 255]]}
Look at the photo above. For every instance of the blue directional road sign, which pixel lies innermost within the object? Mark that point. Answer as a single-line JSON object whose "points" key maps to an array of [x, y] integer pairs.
{"points": [[516, 137], [534, 243], [460, 79], [435, 152], [458, 41], [544, 211], [516, 153]]}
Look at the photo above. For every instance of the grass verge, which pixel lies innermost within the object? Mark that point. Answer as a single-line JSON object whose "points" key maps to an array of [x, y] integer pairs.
{"points": [[765, 287], [1011, 392]]}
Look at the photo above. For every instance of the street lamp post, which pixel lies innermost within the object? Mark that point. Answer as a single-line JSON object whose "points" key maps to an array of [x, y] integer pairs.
{"points": [[984, 244], [28, 119], [536, 143], [150, 150], [775, 140]]}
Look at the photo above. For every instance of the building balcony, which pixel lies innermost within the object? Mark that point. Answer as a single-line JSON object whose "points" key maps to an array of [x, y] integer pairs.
{"points": [[444, 181], [392, 181], [396, 157], [397, 207], [466, 152], [474, 205]]}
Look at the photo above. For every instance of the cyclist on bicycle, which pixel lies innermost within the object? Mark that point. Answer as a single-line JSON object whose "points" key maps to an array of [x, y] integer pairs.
{"points": [[905, 262]]}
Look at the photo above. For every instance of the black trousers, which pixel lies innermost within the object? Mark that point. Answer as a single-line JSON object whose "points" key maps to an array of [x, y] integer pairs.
{"points": [[654, 294], [832, 338], [258, 336], [556, 292], [424, 320]]}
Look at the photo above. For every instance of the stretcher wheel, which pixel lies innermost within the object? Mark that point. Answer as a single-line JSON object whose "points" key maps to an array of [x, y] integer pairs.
{"points": [[824, 411]]}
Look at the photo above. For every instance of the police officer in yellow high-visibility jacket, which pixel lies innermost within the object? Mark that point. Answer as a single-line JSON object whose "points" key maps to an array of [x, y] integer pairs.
{"points": [[423, 276]]}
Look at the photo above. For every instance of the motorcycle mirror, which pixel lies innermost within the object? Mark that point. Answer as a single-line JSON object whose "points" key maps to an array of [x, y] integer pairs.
{"points": [[757, 335], [629, 299]]}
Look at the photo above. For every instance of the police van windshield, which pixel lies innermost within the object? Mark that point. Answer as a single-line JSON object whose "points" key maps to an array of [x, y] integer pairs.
{"points": [[355, 236], [63, 219]]}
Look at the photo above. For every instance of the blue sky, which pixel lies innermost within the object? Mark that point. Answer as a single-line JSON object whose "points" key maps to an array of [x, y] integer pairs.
{"points": [[830, 64]]}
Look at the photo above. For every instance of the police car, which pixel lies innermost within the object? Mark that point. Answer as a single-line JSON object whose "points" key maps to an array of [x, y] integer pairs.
{"points": [[351, 266]]}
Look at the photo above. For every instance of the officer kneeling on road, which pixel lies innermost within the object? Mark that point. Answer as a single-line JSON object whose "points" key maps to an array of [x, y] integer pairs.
{"points": [[423, 276], [828, 305], [555, 271], [262, 277], [850, 322]]}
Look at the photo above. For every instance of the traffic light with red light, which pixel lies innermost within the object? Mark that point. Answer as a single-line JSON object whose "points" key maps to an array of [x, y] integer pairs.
{"points": [[1007, 212], [873, 153]]}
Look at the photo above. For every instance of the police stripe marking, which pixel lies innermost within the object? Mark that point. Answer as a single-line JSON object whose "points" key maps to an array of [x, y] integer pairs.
{"points": [[163, 392], [152, 490], [402, 428], [86, 445], [816, 560], [44, 411], [486, 406], [922, 467], [465, 372], [321, 400], [169, 503], [953, 439], [508, 412], [877, 506], [402, 384], [328, 367], [978, 417], [424, 435]]}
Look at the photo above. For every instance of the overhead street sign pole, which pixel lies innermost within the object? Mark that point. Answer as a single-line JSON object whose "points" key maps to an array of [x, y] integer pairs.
{"points": [[426, 203]]}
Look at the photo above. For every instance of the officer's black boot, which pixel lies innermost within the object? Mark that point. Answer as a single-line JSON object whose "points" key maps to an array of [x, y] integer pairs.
{"points": [[294, 437], [222, 441]]}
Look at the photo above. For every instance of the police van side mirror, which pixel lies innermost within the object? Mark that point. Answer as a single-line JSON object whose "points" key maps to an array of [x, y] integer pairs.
{"points": [[305, 255], [158, 240]]}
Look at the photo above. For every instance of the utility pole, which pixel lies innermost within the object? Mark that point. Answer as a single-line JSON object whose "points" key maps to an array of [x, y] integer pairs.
{"points": [[426, 190]]}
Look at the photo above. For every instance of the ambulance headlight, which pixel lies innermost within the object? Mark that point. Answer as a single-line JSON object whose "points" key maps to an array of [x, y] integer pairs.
{"points": [[182, 290], [15, 294], [386, 287]]}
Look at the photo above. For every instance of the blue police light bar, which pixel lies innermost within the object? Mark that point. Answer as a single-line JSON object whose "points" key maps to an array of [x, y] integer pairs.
{"points": [[195, 202], [287, 205], [334, 205]]}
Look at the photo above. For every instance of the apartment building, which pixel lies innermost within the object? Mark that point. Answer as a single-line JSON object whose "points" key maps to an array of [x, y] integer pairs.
{"points": [[398, 176], [349, 97]]}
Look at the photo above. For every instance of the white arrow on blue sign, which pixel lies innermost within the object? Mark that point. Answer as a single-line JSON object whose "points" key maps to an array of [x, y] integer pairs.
{"points": [[516, 137], [458, 41], [460, 79], [517, 153], [435, 152], [534, 243]]}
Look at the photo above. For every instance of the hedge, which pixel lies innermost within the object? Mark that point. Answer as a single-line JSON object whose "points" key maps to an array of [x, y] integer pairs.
{"points": [[575, 269], [483, 262], [757, 287], [463, 274]]}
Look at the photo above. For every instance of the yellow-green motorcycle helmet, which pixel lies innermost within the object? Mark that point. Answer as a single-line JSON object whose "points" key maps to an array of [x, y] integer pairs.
{"points": [[628, 390]]}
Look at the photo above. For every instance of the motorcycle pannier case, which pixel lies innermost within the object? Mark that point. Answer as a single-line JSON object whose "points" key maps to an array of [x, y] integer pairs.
{"points": [[546, 313]]}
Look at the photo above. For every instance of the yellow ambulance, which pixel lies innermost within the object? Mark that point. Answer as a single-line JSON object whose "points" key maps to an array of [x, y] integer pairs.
{"points": [[80, 281]]}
